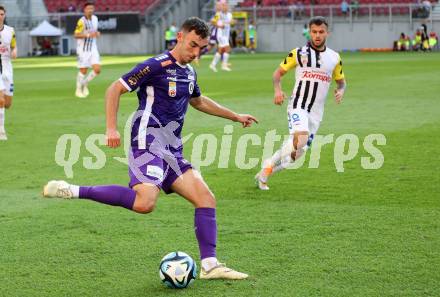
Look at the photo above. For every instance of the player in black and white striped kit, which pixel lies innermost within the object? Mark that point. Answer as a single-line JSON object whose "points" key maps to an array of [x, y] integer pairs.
{"points": [[8, 51], [315, 67], [86, 33]]}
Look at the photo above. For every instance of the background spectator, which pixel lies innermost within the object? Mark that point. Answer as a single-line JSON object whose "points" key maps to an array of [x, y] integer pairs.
{"points": [[344, 7]]}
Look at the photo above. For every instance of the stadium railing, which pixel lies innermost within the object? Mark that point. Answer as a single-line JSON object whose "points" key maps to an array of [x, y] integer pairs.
{"points": [[371, 13], [57, 19]]}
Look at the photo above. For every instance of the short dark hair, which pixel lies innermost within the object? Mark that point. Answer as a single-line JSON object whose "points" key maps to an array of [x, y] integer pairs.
{"points": [[197, 25], [2, 8], [88, 3], [318, 21]]}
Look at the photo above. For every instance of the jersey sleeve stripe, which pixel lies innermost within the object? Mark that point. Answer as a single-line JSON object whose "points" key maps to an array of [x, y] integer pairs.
{"points": [[125, 84]]}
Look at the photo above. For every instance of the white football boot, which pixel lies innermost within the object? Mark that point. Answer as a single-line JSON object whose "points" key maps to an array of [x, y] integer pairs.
{"points": [[225, 67], [57, 189], [79, 93], [213, 68], [85, 90], [222, 272], [261, 182], [3, 135]]}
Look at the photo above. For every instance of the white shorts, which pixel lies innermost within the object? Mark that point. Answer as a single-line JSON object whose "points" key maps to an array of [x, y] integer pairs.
{"points": [[87, 59], [223, 41], [7, 85], [300, 120]]}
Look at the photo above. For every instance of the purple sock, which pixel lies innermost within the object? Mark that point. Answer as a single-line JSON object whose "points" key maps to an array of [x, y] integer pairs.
{"points": [[205, 226], [112, 195]]}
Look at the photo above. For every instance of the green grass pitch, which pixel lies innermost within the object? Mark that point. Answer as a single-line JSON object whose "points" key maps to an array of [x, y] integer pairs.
{"points": [[317, 232]]}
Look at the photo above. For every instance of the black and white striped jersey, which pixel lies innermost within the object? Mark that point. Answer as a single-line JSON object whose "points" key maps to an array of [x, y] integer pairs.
{"points": [[85, 26], [314, 71]]}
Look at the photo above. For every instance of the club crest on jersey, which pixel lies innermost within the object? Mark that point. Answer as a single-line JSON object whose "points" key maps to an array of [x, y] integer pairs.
{"points": [[191, 88], [304, 57], [172, 89]]}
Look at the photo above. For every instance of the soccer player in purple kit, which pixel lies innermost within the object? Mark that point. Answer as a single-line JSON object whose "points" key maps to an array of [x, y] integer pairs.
{"points": [[165, 84]]}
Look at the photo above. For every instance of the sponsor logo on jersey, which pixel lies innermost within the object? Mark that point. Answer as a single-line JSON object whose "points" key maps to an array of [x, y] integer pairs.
{"points": [[295, 117], [171, 71], [322, 76], [134, 79], [191, 77], [172, 88], [155, 171]]}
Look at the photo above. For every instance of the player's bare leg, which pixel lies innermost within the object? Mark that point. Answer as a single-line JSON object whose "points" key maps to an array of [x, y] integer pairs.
{"points": [[79, 82], [2, 117], [8, 101], [193, 188], [291, 150], [141, 199], [146, 197], [96, 70]]}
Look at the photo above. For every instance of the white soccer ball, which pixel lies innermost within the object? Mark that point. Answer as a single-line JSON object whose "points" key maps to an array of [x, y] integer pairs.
{"points": [[177, 270]]}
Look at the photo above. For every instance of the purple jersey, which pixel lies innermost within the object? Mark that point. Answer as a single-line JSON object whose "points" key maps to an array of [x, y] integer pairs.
{"points": [[164, 89], [213, 36]]}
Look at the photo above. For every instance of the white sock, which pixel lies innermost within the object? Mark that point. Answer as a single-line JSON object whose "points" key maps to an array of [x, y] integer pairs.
{"points": [[75, 191], [225, 59], [284, 155], [217, 58], [79, 80], [280, 160], [90, 77], [2, 119], [209, 263], [287, 160]]}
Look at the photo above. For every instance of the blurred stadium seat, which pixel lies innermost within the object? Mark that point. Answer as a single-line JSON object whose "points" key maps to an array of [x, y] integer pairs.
{"points": [[101, 5]]}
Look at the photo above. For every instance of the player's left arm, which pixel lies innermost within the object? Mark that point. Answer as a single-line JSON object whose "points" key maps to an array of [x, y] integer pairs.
{"points": [[341, 84], [209, 106], [13, 46]]}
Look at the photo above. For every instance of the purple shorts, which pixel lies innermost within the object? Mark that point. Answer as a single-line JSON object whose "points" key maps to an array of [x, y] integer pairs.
{"points": [[160, 169]]}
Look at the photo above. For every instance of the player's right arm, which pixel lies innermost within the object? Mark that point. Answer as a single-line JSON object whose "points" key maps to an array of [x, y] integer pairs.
{"points": [[288, 64], [112, 97], [13, 46], [129, 82], [79, 30], [339, 77]]}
